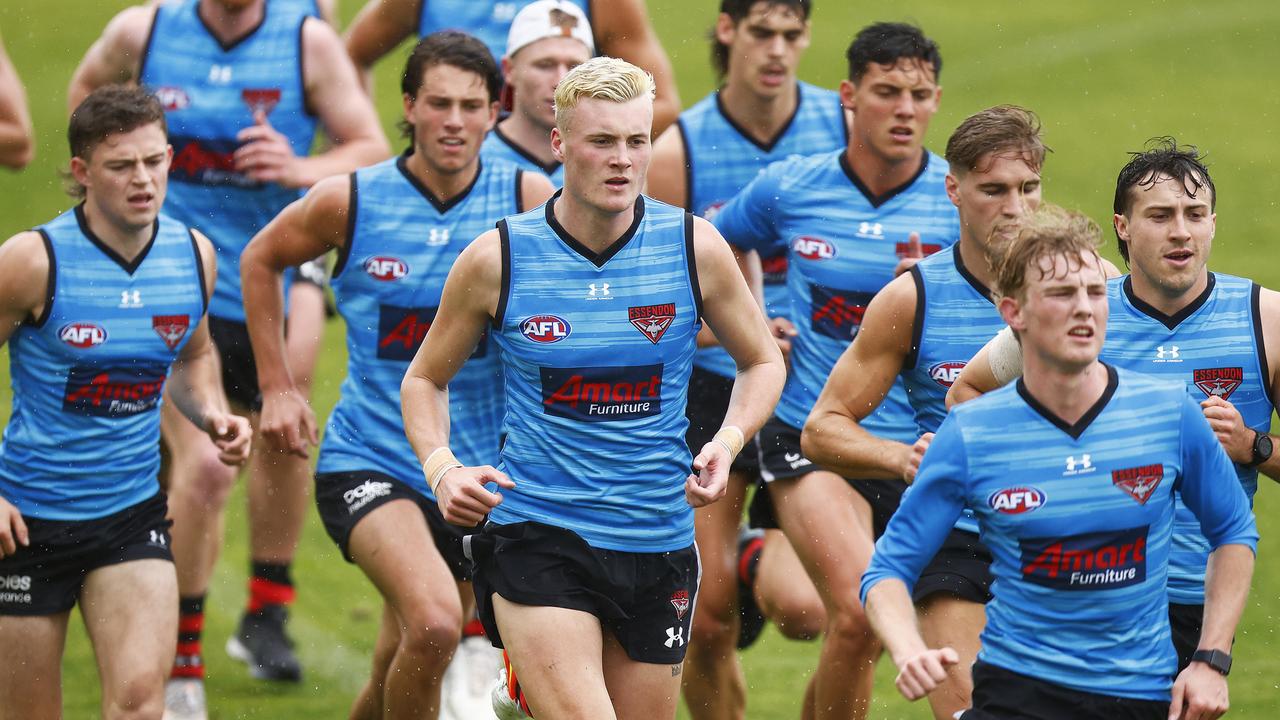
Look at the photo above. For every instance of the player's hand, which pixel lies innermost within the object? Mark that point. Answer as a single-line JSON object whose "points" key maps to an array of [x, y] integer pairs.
{"points": [[712, 478], [1235, 436], [231, 434], [920, 674], [915, 254], [13, 531], [463, 498], [288, 424], [783, 330], [1199, 693], [915, 456], [265, 154]]}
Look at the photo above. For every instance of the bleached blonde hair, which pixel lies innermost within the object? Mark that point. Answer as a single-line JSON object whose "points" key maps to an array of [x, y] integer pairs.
{"points": [[603, 78]]}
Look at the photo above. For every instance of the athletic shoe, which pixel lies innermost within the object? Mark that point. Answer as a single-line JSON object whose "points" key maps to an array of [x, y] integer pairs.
{"points": [[508, 698], [184, 699], [469, 680], [750, 619], [261, 644]]}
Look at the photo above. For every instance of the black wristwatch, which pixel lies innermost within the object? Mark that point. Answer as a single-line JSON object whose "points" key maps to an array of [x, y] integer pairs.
{"points": [[1215, 659], [1262, 447]]}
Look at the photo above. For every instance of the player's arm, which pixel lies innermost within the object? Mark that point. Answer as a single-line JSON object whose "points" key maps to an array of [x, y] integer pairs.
{"points": [[17, 144], [328, 11], [997, 364], [195, 383], [730, 311], [379, 27], [115, 57], [623, 31], [467, 306], [535, 189], [306, 229], [859, 382], [668, 173]]}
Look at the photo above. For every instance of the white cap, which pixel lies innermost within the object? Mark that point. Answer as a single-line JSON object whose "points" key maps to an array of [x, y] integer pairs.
{"points": [[549, 18]]}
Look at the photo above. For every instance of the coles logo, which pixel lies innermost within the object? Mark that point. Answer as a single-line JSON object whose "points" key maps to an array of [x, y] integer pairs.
{"points": [[1016, 500], [386, 268], [172, 98], [946, 373], [813, 248], [1218, 382], [545, 328], [82, 335]]}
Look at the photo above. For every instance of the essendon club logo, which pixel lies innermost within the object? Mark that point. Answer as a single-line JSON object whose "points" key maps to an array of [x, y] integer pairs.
{"points": [[903, 249], [171, 328], [1016, 500], [82, 335], [601, 394], [652, 320], [680, 601], [1218, 382], [1139, 482], [114, 391], [172, 98], [813, 248], [545, 328], [261, 100], [1090, 561], [386, 268], [946, 373], [837, 313]]}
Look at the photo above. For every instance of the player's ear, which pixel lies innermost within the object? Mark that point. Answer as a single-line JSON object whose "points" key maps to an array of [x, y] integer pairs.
{"points": [[952, 184], [847, 92], [80, 171], [506, 70], [725, 29], [1121, 224], [494, 108], [557, 145], [1011, 313]]}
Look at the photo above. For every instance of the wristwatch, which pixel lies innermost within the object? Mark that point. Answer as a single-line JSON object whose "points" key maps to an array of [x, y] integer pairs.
{"points": [[1262, 448], [1215, 659]]}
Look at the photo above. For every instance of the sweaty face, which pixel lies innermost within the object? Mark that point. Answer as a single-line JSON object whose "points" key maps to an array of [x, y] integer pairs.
{"points": [[125, 176], [450, 117], [764, 47], [1169, 233], [892, 106], [1063, 316], [534, 72], [605, 149], [994, 198]]}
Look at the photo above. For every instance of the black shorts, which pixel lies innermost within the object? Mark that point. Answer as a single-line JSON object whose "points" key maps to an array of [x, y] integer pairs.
{"points": [[1185, 622], [239, 371], [1000, 693], [708, 402], [962, 569], [346, 498], [46, 576], [645, 599]]}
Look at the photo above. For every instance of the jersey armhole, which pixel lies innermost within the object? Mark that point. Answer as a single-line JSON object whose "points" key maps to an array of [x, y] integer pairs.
{"points": [[504, 288], [204, 285], [917, 322], [519, 191], [302, 68], [51, 284], [146, 49], [691, 261], [344, 252], [1264, 369], [688, 165]]}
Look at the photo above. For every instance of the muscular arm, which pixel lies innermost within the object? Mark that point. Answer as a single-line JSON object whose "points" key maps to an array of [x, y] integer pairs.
{"points": [[623, 31], [667, 178], [380, 26], [17, 145], [998, 363], [115, 57], [861, 379], [535, 189], [24, 269], [1269, 309]]}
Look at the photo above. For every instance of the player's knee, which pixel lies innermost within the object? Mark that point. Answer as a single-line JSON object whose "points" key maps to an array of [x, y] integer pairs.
{"points": [[713, 626], [432, 633], [848, 623], [797, 618], [140, 697], [206, 479]]}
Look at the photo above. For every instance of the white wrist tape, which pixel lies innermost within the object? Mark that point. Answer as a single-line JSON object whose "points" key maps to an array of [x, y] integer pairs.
{"points": [[439, 462], [1004, 355], [731, 437]]}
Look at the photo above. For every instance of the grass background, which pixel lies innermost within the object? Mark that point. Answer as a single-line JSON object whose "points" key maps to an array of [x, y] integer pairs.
{"points": [[1104, 76]]}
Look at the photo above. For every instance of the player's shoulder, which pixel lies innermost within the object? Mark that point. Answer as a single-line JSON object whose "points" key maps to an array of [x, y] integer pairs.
{"points": [[25, 250], [129, 30], [935, 168], [793, 174], [811, 92], [1146, 390], [24, 266]]}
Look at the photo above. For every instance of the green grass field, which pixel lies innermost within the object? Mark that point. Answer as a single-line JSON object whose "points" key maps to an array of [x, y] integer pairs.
{"points": [[1104, 77]]}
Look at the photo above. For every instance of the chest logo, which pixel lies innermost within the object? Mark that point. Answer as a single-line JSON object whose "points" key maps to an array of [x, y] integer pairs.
{"points": [[261, 100], [1167, 353], [82, 335], [386, 268], [652, 320], [220, 74], [171, 328], [172, 98], [945, 373], [1079, 465], [1218, 382], [1016, 500], [813, 248], [437, 237], [870, 230], [598, 291], [546, 328], [1139, 482], [130, 299]]}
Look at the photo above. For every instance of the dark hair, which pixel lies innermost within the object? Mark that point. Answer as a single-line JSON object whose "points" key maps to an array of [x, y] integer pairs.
{"points": [[999, 129], [1163, 157], [449, 47], [738, 10], [885, 43], [107, 111]]}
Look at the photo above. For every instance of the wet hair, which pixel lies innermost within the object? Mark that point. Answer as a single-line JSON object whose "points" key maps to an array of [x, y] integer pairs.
{"points": [[738, 10], [603, 78], [448, 47], [1163, 157], [109, 110], [1051, 231], [1003, 129], [886, 43]]}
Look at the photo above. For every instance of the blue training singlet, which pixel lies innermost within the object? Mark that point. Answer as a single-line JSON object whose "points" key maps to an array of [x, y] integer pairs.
{"points": [[488, 20], [83, 440], [402, 243], [497, 146], [597, 351]]}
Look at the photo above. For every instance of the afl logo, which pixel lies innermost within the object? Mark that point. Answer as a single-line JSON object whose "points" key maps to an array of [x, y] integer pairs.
{"points": [[386, 268], [82, 335], [545, 328], [945, 373], [813, 248], [172, 98], [1015, 501]]}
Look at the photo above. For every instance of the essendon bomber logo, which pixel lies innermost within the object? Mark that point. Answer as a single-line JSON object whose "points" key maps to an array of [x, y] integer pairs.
{"points": [[172, 98], [945, 373], [1016, 500], [118, 391], [652, 320], [171, 328], [1139, 482], [1090, 561], [545, 328], [680, 601], [82, 335], [1218, 382], [837, 313], [386, 268], [261, 100], [601, 394], [813, 248]]}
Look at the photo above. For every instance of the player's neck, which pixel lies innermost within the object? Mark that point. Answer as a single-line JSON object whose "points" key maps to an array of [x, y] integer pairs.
{"points": [[445, 186], [878, 174], [595, 228], [974, 257], [760, 117], [529, 136], [124, 240], [1068, 393], [1168, 302], [229, 25]]}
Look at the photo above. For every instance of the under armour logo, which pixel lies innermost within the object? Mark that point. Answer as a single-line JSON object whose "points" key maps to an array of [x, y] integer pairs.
{"points": [[130, 298], [872, 229], [438, 236], [675, 636], [157, 538], [1170, 352], [601, 290], [220, 74], [1083, 463]]}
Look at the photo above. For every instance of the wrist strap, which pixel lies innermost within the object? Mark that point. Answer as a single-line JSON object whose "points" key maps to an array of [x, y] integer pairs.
{"points": [[439, 462], [731, 438]]}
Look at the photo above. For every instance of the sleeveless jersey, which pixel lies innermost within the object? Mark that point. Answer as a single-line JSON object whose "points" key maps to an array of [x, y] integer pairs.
{"points": [[88, 376], [210, 92], [1214, 347], [721, 158], [487, 20], [497, 146], [1078, 518], [842, 248], [597, 350], [401, 244]]}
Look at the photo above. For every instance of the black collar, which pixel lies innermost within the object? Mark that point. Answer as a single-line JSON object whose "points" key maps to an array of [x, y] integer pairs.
{"points": [[878, 200], [1169, 321], [441, 206], [1075, 430], [232, 43], [768, 145], [978, 287], [547, 168], [597, 259], [128, 266]]}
